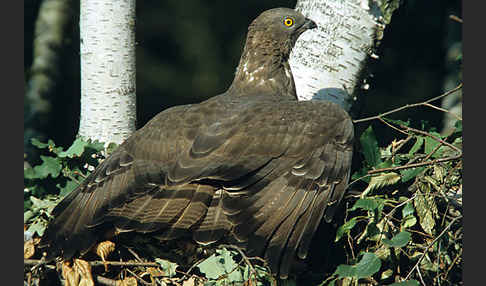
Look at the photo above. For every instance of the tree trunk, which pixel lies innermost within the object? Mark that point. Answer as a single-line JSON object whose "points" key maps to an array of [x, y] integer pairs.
{"points": [[51, 29], [108, 101], [328, 62]]}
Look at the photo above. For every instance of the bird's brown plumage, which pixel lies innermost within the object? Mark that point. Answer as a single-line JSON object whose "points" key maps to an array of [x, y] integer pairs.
{"points": [[252, 165]]}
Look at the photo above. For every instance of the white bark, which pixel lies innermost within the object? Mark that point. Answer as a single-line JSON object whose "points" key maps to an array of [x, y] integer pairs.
{"points": [[327, 62], [108, 102]]}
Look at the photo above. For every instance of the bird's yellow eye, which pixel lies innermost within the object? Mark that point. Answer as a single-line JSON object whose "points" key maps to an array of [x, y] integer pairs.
{"points": [[288, 22]]}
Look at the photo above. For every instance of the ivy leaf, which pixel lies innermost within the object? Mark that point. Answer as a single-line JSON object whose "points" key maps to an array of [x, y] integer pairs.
{"points": [[221, 263], [345, 228], [38, 226], [371, 151], [399, 240], [50, 166], [75, 150], [69, 186], [49, 145], [382, 180], [167, 266], [366, 267], [40, 145]]}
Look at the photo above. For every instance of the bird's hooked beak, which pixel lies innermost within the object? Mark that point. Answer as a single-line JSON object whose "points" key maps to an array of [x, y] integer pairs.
{"points": [[309, 24]]}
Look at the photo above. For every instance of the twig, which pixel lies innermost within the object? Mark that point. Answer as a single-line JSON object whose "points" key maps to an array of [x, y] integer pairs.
{"points": [[408, 106], [106, 281], [443, 110], [246, 259], [138, 277], [416, 266], [425, 163], [433, 137], [391, 126], [414, 165], [97, 263], [453, 263], [455, 18]]}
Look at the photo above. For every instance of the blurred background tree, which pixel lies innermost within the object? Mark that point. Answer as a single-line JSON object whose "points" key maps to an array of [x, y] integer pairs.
{"points": [[187, 51]]}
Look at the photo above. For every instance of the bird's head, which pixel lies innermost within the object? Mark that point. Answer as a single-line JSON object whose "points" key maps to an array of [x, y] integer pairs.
{"points": [[278, 28], [264, 66]]}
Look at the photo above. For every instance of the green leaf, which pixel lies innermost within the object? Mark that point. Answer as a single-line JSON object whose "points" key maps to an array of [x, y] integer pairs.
{"points": [[408, 174], [221, 263], [381, 180], [366, 267], [75, 150], [426, 208], [409, 221], [418, 143], [399, 240], [368, 204], [69, 186], [50, 166], [168, 267], [49, 145], [431, 143], [371, 151], [412, 282], [345, 228], [38, 226], [458, 125], [39, 144], [111, 147], [28, 215], [408, 209], [386, 274]]}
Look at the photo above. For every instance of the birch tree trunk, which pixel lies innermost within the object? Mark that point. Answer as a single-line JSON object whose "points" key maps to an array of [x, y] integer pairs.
{"points": [[108, 101], [328, 62]]}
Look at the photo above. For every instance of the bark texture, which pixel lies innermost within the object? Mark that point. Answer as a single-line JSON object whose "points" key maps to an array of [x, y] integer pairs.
{"points": [[327, 62], [108, 101]]}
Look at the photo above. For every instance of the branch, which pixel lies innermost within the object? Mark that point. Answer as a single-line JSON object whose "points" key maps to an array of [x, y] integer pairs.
{"points": [[98, 263], [425, 103], [429, 246], [431, 162]]}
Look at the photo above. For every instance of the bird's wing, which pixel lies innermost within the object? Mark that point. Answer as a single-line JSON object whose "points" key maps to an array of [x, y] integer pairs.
{"points": [[276, 211], [271, 170]]}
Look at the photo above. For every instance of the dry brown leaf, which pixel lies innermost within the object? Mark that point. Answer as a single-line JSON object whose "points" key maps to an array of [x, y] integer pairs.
{"points": [[155, 272], [103, 249], [70, 276], [29, 249], [83, 268], [189, 282]]}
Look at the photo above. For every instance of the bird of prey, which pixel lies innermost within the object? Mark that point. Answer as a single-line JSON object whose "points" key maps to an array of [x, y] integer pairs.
{"points": [[252, 165]]}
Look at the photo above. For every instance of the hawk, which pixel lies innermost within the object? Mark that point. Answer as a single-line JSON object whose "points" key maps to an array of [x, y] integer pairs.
{"points": [[252, 165]]}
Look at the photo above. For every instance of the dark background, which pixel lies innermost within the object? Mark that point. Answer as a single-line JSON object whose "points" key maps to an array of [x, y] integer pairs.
{"points": [[188, 50]]}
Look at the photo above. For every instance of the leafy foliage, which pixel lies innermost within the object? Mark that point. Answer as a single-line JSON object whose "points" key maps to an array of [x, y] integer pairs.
{"points": [[407, 219], [59, 173]]}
